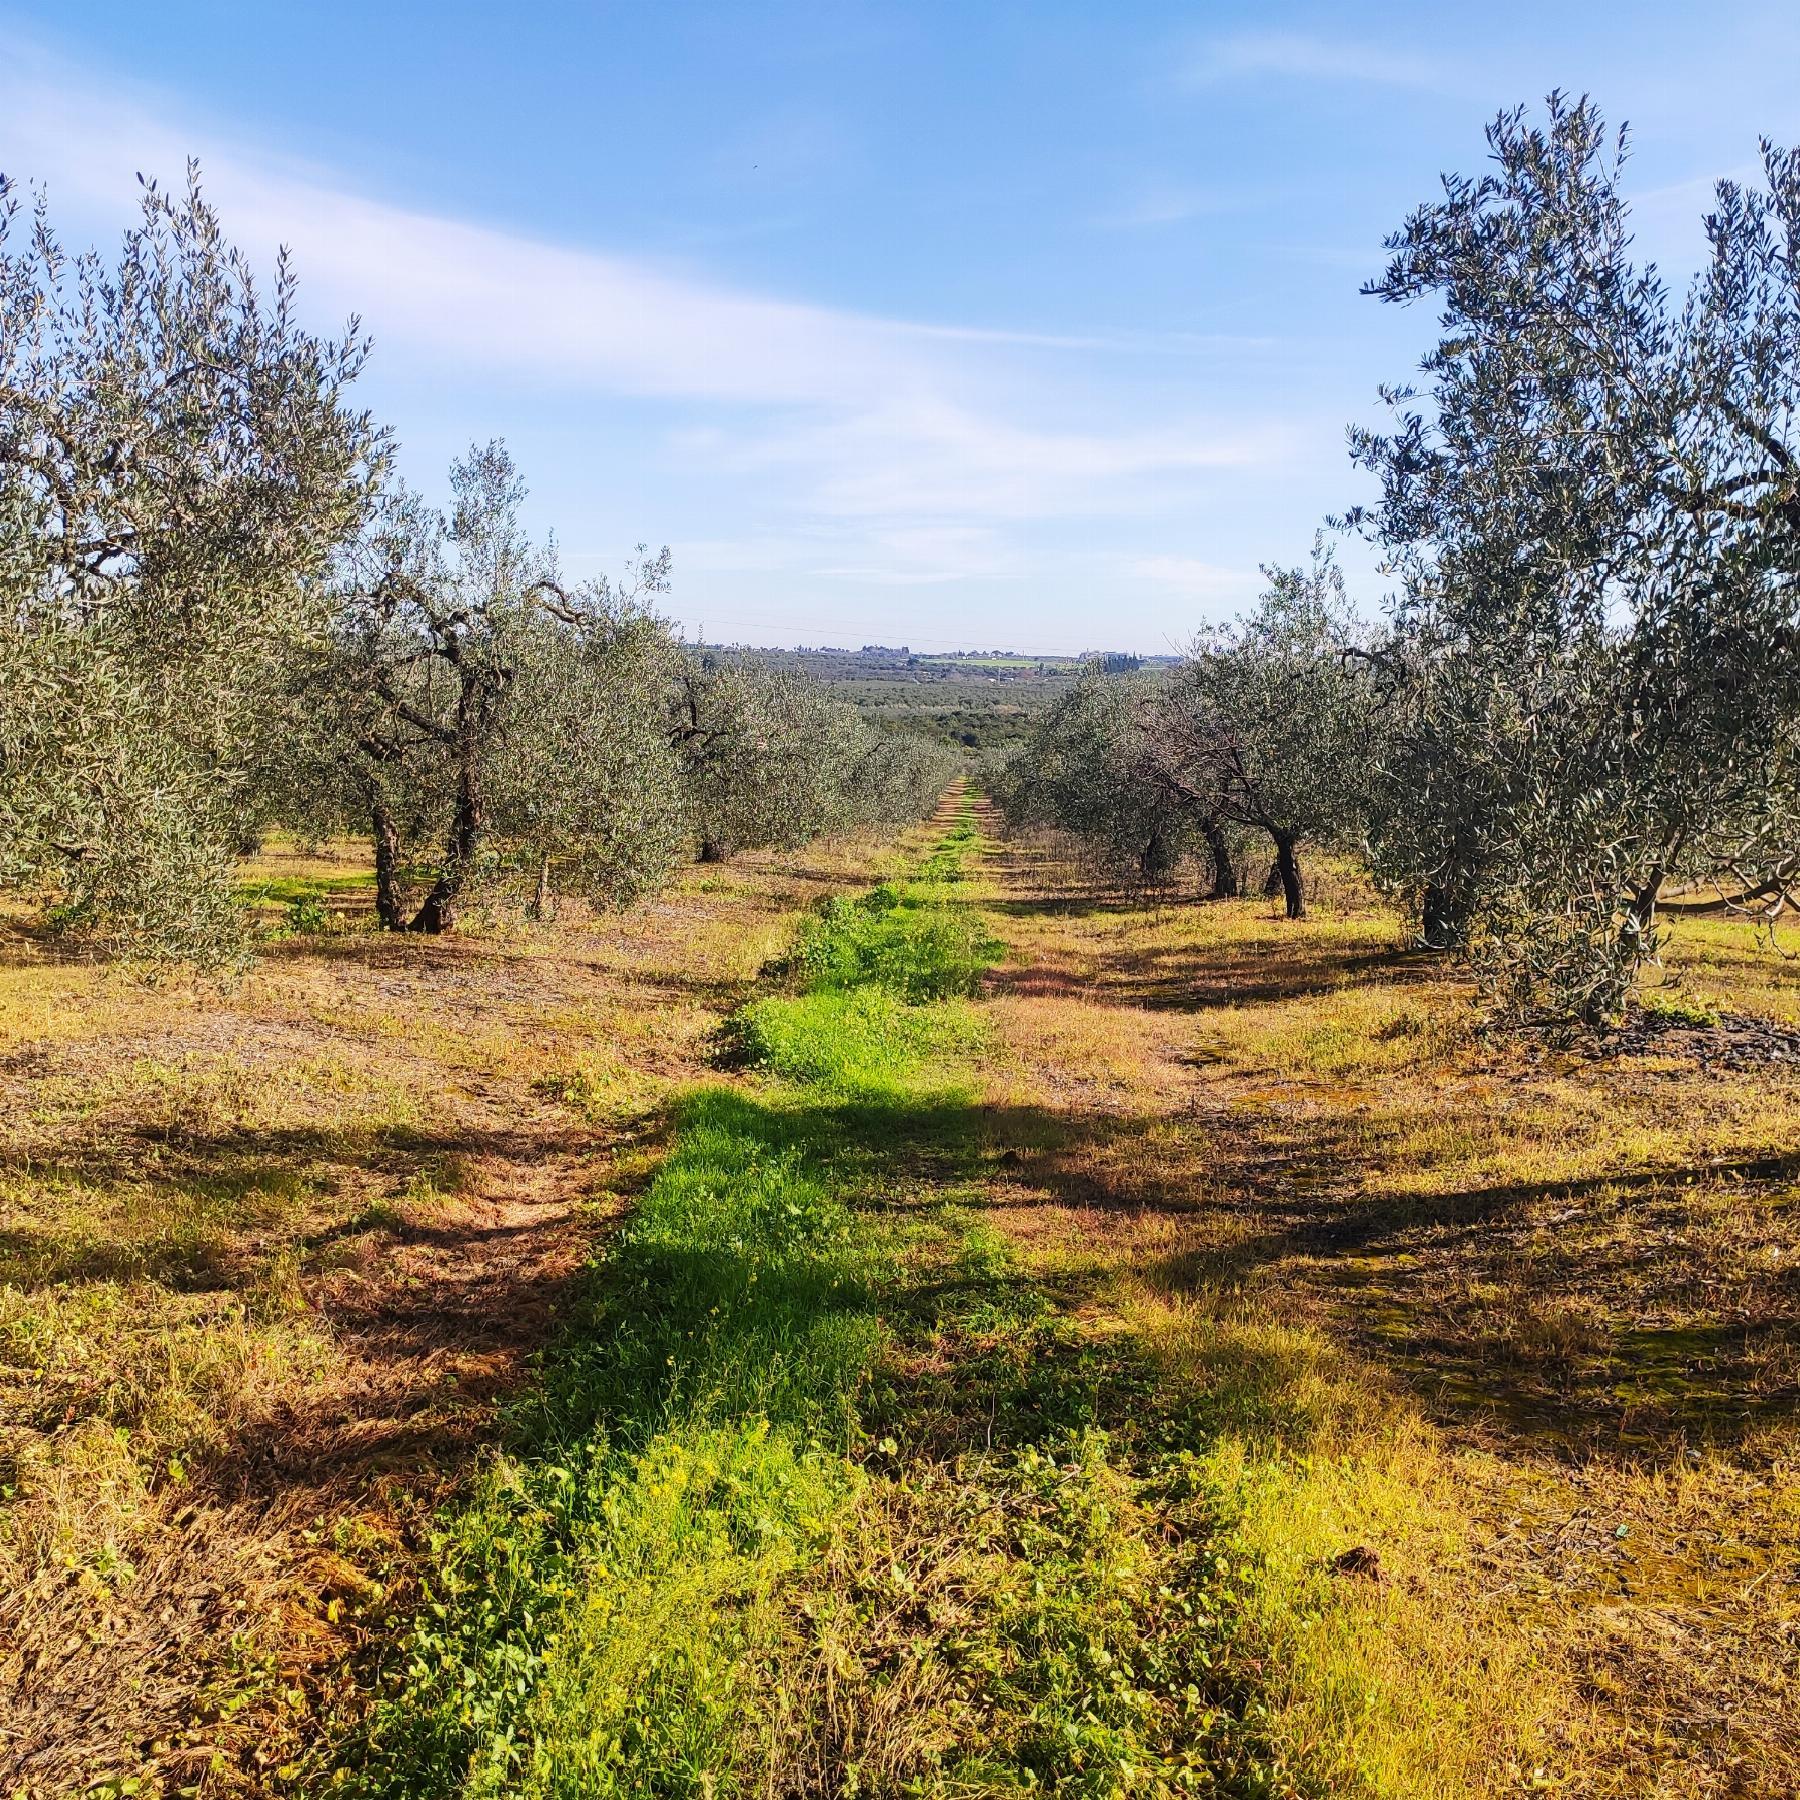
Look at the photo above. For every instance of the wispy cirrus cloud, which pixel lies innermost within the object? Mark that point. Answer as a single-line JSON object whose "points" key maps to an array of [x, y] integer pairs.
{"points": [[878, 554], [868, 416], [926, 456], [1171, 203], [818, 449], [1198, 580], [1303, 56], [434, 287]]}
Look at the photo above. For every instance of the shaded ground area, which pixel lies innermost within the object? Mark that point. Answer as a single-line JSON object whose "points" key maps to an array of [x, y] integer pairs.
{"points": [[1583, 1269], [1592, 1249], [269, 1258]]}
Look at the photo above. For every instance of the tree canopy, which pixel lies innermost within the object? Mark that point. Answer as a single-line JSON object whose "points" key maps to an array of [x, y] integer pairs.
{"points": [[219, 612]]}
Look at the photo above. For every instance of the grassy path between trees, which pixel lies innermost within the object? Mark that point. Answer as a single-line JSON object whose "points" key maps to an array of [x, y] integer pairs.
{"points": [[825, 1490], [965, 1408], [1087, 1344]]}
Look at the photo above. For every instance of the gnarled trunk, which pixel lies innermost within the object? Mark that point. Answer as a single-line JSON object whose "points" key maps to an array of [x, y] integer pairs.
{"points": [[1153, 859], [386, 835], [438, 913], [543, 906], [1224, 870], [1440, 927], [1287, 874]]}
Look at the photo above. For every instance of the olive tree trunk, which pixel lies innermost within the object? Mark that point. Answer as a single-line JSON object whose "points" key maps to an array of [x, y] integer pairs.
{"points": [[1287, 877], [386, 835], [1224, 870], [438, 913]]}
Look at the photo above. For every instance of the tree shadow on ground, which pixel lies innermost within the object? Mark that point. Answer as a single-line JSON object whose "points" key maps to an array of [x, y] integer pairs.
{"points": [[1078, 905], [1596, 1317], [1487, 1302], [1176, 980], [435, 1302], [1303, 1229], [1606, 1338]]}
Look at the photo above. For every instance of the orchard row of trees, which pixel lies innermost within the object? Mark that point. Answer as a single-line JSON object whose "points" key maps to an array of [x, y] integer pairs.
{"points": [[220, 612], [1257, 737], [1585, 692]]}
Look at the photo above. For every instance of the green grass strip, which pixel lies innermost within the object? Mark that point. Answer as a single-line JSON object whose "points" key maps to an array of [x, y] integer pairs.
{"points": [[596, 1603], [821, 1493]]}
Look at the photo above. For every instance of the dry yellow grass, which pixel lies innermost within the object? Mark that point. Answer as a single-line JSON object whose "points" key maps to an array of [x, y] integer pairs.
{"points": [[1491, 1347], [269, 1257], [1519, 1323]]}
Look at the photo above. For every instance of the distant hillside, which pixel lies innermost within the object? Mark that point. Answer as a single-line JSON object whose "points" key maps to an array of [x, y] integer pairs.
{"points": [[981, 699]]}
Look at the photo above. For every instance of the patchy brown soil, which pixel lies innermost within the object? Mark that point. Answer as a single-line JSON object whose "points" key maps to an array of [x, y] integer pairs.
{"points": [[1579, 1275], [1741, 1041], [270, 1260]]}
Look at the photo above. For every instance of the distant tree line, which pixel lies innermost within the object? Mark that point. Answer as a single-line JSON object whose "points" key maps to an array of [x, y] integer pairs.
{"points": [[1586, 688], [220, 613]]}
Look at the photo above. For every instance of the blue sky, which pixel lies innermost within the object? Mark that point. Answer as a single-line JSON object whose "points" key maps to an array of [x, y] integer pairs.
{"points": [[952, 325]]}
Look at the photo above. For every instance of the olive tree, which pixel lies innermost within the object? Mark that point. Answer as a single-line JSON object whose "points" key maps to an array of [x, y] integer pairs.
{"points": [[586, 784], [471, 707], [1092, 768], [1269, 721], [770, 760], [896, 776], [178, 463], [1593, 508], [765, 753]]}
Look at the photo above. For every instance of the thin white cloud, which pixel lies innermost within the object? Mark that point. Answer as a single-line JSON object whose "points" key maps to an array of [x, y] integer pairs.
{"points": [[902, 555], [1301, 56], [1169, 203], [931, 556], [870, 416], [1668, 221], [1197, 579], [871, 453], [442, 290], [926, 456]]}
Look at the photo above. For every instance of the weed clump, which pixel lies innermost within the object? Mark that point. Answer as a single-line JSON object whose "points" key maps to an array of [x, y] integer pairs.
{"points": [[1670, 1007], [858, 1042], [916, 950], [883, 982]]}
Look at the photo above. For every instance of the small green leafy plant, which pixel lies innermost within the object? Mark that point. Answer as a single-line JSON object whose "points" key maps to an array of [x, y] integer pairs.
{"points": [[1669, 1006]]}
